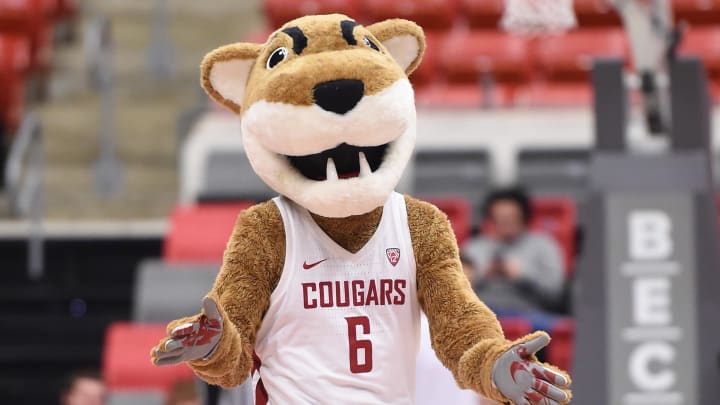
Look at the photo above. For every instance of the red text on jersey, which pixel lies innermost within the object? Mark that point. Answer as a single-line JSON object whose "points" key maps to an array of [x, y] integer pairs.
{"points": [[357, 293]]}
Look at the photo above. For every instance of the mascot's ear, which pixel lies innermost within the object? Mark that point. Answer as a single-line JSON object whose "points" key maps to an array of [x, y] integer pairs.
{"points": [[404, 40], [225, 72]]}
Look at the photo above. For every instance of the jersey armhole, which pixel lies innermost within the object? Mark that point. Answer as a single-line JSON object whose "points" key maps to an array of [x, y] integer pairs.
{"points": [[283, 205]]}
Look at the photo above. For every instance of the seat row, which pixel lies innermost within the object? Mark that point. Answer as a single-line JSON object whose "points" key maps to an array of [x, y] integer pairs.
{"points": [[497, 69], [493, 68], [26, 37], [478, 14], [199, 233]]}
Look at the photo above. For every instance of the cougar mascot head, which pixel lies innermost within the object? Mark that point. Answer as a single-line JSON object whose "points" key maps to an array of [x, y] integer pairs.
{"points": [[328, 121], [328, 113]]}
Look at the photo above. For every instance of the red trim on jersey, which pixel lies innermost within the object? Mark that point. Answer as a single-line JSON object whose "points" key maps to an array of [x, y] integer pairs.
{"points": [[261, 396]]}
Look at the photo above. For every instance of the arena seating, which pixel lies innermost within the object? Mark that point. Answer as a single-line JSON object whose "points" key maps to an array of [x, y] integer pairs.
{"points": [[560, 352], [483, 14], [554, 171], [54, 325], [32, 18], [126, 365], [697, 12], [26, 36], [705, 43], [164, 292], [229, 177], [591, 13], [14, 68], [515, 327], [483, 67], [430, 14], [557, 217], [279, 12], [459, 212], [452, 173], [564, 64], [199, 233], [489, 60]]}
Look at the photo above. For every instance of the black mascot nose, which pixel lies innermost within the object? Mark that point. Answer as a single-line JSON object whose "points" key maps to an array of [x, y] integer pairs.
{"points": [[338, 96]]}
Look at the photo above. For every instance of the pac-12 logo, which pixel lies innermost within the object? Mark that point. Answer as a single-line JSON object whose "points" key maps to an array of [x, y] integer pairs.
{"points": [[393, 255]]}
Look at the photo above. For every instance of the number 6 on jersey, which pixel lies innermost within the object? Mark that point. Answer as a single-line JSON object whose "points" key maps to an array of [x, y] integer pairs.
{"points": [[355, 345]]}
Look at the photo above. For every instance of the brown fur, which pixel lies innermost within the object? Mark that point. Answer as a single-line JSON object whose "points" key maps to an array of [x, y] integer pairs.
{"points": [[327, 54], [352, 233], [465, 334]]}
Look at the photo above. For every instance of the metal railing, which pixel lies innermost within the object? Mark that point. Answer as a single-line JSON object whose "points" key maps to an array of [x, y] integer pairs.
{"points": [[24, 170], [109, 170]]}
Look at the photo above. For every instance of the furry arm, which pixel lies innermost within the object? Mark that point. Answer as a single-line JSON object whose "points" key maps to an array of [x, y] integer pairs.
{"points": [[252, 265], [465, 333]]}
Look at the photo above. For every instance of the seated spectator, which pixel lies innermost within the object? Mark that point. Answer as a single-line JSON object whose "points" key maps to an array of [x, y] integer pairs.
{"points": [[515, 269], [84, 388]]}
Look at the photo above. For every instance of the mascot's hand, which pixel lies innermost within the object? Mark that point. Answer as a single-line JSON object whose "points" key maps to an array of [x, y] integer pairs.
{"points": [[191, 340], [526, 382]]}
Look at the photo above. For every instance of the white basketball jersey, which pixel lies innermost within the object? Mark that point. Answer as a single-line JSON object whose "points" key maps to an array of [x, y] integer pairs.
{"points": [[342, 328]]}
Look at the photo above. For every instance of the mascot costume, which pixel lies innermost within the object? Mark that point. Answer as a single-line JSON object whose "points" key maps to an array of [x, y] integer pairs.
{"points": [[321, 289]]}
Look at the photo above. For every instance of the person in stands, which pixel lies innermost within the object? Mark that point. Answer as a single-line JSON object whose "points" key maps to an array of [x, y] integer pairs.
{"points": [[515, 269], [84, 388]]}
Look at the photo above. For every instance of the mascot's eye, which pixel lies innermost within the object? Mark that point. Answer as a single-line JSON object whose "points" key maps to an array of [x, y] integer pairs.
{"points": [[370, 43], [276, 57]]}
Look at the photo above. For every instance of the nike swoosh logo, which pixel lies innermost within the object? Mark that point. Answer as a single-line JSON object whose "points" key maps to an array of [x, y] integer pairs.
{"points": [[309, 266]]}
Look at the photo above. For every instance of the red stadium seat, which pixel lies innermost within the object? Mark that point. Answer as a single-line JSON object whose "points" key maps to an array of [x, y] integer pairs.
{"points": [[560, 351], [715, 91], [12, 99], [564, 63], [705, 43], [65, 9], [568, 57], [199, 233], [459, 212], [483, 13], [505, 56], [31, 18], [515, 327], [554, 94], [126, 358], [281, 11], [596, 13], [487, 58], [14, 53], [554, 216], [557, 217], [697, 11], [465, 96], [14, 65], [429, 14]]}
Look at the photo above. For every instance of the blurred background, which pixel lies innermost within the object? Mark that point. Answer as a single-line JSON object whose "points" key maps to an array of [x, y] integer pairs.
{"points": [[121, 180]]}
